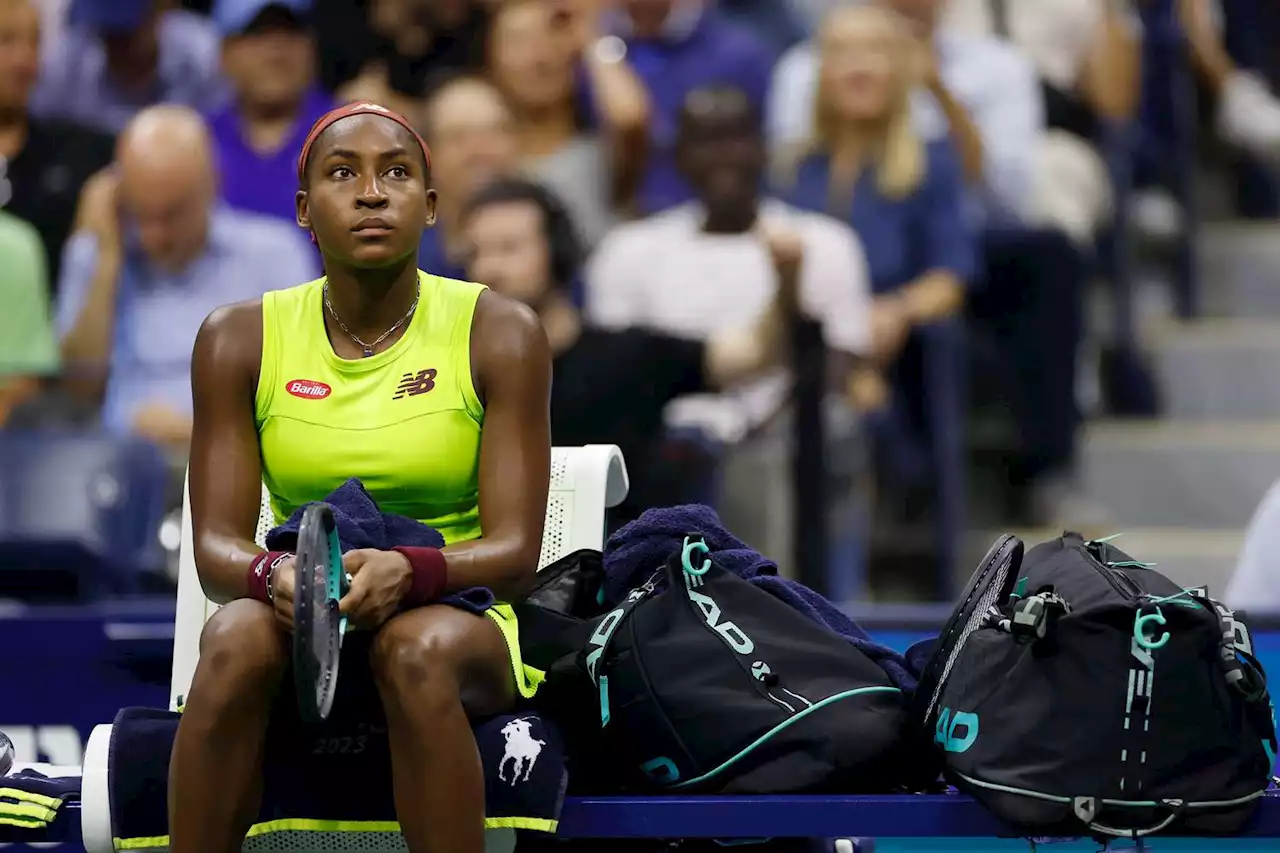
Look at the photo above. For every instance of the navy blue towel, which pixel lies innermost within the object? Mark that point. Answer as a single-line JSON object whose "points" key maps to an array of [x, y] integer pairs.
{"points": [[361, 524], [632, 553]]}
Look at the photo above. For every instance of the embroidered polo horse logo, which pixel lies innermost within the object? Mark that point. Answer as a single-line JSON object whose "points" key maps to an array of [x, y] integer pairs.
{"points": [[522, 750]]}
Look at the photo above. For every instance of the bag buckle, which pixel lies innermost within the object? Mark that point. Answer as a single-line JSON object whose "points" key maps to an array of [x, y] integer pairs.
{"points": [[1033, 617]]}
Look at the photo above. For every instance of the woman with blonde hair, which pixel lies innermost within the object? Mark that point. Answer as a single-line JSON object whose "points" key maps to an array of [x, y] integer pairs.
{"points": [[866, 166]]}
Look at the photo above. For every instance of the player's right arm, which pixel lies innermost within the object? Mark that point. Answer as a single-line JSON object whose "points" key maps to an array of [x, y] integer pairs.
{"points": [[225, 474]]}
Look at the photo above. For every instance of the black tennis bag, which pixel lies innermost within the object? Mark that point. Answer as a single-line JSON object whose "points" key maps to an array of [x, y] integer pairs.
{"points": [[711, 684], [1095, 696]]}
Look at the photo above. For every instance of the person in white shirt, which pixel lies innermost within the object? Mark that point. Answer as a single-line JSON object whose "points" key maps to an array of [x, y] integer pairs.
{"points": [[705, 266], [702, 266], [980, 90]]}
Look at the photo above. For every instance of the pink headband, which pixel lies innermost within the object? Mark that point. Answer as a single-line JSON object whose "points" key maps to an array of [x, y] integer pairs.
{"points": [[356, 109]]}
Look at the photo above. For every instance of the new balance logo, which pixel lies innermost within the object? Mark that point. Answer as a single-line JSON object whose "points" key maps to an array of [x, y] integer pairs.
{"points": [[413, 384]]}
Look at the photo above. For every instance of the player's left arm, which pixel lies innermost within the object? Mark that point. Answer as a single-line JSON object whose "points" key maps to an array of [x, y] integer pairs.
{"points": [[511, 368]]}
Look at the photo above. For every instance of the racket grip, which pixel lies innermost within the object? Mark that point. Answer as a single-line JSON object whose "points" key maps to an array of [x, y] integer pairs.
{"points": [[430, 574]]}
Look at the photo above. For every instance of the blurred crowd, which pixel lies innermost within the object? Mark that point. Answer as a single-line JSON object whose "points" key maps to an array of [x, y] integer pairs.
{"points": [[943, 175]]}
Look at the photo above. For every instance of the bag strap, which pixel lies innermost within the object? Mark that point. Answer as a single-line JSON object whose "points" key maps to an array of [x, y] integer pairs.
{"points": [[692, 564], [1243, 671], [1029, 619], [1085, 809]]}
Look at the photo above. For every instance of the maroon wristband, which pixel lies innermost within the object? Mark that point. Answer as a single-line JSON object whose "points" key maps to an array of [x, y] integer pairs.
{"points": [[259, 580], [430, 574]]}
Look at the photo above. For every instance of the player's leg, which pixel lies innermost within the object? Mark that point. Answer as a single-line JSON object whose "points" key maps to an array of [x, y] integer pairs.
{"points": [[215, 769], [435, 667]]}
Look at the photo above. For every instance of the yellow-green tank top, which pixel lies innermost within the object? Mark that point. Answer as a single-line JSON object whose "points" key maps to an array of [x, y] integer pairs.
{"points": [[405, 421]]}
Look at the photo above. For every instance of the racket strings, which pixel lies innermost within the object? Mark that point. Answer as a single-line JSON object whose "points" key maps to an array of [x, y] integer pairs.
{"points": [[994, 583]]}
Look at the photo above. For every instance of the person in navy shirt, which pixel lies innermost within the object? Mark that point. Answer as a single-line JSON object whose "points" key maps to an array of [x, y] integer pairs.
{"points": [[906, 199], [676, 46], [866, 166], [269, 58]]}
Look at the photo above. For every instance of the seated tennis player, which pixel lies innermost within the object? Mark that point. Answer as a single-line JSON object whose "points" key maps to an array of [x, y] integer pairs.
{"points": [[435, 393]]}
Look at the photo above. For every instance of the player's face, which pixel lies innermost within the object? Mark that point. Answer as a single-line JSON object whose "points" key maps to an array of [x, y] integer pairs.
{"points": [[367, 201], [509, 251]]}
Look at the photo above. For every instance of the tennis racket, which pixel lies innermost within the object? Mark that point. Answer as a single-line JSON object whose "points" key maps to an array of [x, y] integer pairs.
{"points": [[991, 584], [317, 625]]}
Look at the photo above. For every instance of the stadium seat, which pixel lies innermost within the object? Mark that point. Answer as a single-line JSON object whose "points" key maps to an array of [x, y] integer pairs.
{"points": [[79, 510]]}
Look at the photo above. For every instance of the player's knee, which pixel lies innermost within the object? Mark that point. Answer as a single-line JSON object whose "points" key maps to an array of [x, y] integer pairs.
{"points": [[242, 652], [417, 655]]}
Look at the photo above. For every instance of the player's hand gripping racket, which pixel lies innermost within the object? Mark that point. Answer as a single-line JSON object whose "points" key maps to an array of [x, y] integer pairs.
{"points": [[317, 625]]}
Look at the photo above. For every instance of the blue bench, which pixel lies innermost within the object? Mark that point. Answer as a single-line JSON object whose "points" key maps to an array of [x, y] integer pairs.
{"points": [[727, 818]]}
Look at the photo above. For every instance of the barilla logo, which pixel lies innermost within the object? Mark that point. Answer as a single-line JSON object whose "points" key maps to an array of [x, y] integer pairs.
{"points": [[308, 389]]}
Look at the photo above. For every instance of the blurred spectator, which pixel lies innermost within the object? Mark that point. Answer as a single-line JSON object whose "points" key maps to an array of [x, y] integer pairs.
{"points": [[43, 163], [1087, 55], [388, 51], [469, 128], [702, 267], [1029, 303], [981, 91], [1248, 112], [268, 57], [676, 46], [532, 62], [610, 385], [867, 166], [118, 56], [152, 255], [27, 350]]}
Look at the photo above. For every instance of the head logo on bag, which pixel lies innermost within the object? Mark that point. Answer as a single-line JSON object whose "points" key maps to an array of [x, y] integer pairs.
{"points": [[957, 731], [727, 710], [732, 634]]}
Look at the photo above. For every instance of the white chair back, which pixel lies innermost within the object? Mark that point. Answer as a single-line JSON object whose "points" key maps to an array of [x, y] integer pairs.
{"points": [[585, 481]]}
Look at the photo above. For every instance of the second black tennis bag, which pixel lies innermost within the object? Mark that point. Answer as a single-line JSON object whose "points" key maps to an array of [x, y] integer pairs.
{"points": [[712, 684], [1096, 696]]}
